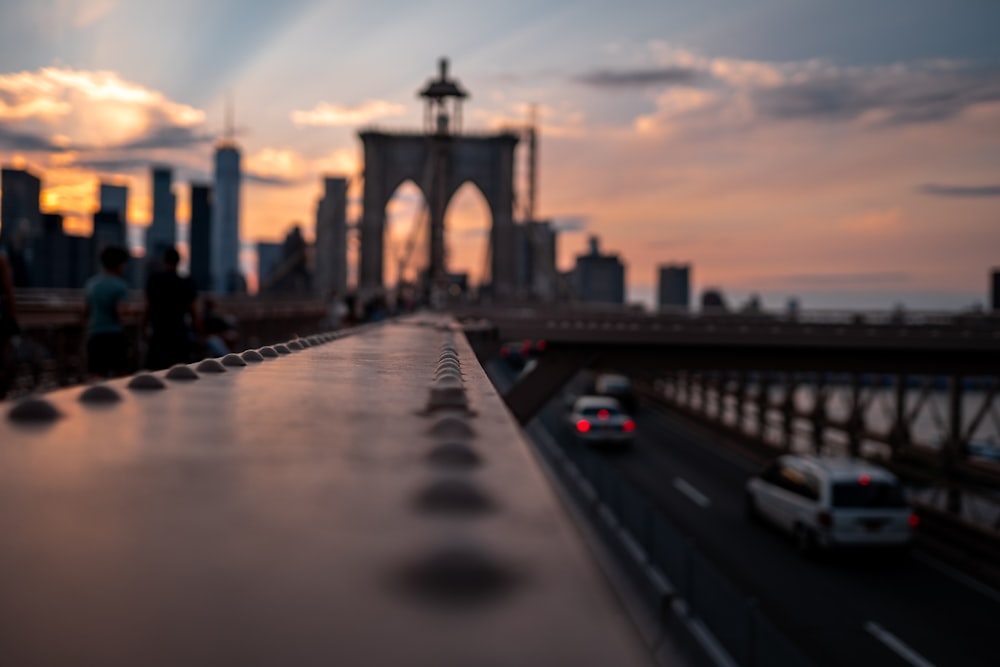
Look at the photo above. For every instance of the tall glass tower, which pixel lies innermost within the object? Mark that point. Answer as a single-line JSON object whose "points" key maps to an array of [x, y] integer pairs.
{"points": [[162, 232], [225, 243]]}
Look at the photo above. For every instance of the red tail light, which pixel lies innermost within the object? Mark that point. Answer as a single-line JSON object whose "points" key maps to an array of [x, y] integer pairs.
{"points": [[603, 414], [628, 426], [824, 519], [540, 346], [583, 426], [914, 520]]}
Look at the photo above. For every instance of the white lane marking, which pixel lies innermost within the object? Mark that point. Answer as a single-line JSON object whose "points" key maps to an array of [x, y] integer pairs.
{"points": [[897, 645], [960, 577], [696, 496]]}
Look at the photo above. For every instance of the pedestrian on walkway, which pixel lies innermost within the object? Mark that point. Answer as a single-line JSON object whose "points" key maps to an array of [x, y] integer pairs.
{"points": [[104, 310], [170, 317]]}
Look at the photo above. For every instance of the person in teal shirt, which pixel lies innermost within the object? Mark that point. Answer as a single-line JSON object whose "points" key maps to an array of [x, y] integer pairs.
{"points": [[107, 343]]}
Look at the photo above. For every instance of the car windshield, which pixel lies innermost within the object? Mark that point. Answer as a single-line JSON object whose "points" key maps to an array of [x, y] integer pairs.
{"points": [[873, 494]]}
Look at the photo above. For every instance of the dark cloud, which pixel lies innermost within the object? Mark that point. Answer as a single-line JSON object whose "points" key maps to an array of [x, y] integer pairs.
{"points": [[938, 190], [912, 95], [571, 223], [138, 165], [275, 181], [642, 77], [843, 279], [26, 141], [169, 137]]}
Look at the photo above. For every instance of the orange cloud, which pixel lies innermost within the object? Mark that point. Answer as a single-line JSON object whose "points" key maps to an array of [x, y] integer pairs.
{"points": [[91, 109], [327, 114]]}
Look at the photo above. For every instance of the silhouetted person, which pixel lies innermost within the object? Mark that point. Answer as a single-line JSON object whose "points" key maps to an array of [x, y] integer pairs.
{"points": [[104, 309], [8, 324], [170, 315]]}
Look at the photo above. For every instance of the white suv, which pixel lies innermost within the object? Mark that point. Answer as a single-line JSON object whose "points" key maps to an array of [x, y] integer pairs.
{"points": [[832, 502]]}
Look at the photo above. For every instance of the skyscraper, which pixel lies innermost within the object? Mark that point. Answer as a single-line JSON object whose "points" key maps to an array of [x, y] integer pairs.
{"points": [[21, 216], [115, 198], [162, 233], [331, 238], [225, 238], [535, 254], [599, 278], [200, 236], [675, 287]]}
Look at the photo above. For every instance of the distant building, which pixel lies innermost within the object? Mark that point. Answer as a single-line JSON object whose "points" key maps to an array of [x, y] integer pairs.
{"points": [[54, 247], [599, 278], [268, 259], [996, 290], [331, 238], [200, 236], [225, 238], [675, 287], [535, 272], [115, 198], [291, 274], [109, 229], [713, 301], [21, 218], [162, 232]]}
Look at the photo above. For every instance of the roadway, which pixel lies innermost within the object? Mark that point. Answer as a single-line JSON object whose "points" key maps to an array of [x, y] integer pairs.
{"points": [[843, 610]]}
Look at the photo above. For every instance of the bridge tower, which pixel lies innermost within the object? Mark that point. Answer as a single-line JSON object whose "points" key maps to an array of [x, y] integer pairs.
{"points": [[439, 160]]}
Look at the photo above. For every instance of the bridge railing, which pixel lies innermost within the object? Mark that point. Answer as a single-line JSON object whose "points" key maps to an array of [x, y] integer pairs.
{"points": [[50, 350]]}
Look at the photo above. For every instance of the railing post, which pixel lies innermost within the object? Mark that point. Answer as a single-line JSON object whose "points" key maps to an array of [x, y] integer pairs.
{"points": [[788, 412], [741, 396], [856, 420], [818, 414], [899, 435], [763, 405], [953, 446]]}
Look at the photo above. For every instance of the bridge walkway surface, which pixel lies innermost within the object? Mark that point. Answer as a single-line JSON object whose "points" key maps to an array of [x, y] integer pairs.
{"points": [[363, 498]]}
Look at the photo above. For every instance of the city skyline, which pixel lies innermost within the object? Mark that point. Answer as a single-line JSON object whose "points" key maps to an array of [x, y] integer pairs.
{"points": [[781, 150]]}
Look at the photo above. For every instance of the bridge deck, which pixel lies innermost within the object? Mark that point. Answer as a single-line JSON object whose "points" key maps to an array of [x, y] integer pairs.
{"points": [[306, 509]]}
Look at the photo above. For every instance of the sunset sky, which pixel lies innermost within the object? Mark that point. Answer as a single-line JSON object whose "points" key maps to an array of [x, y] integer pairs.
{"points": [[847, 153]]}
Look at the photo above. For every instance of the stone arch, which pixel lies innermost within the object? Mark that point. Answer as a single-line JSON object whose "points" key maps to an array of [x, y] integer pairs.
{"points": [[468, 203], [439, 164]]}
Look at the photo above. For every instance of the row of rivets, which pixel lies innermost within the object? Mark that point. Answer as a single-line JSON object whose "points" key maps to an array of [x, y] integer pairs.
{"points": [[35, 409], [454, 574]]}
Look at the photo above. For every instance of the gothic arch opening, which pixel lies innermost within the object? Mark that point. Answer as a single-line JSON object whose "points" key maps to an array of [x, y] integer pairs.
{"points": [[467, 225], [406, 230]]}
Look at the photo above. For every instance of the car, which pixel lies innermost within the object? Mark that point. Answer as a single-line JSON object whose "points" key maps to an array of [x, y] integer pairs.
{"points": [[832, 502], [600, 419], [616, 386]]}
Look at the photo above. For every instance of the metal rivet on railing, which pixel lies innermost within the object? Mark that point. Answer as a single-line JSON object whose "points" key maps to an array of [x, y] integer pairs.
{"points": [[455, 497], [99, 393], [181, 372], [268, 352], [145, 382], [294, 345], [211, 366], [252, 356], [454, 455], [452, 426], [457, 575], [282, 349], [33, 410], [233, 360]]}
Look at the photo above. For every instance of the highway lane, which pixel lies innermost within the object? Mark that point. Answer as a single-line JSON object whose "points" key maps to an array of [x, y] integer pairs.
{"points": [[843, 610]]}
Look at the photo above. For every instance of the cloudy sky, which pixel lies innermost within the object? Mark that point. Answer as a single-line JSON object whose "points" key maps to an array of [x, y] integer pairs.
{"points": [[847, 153]]}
